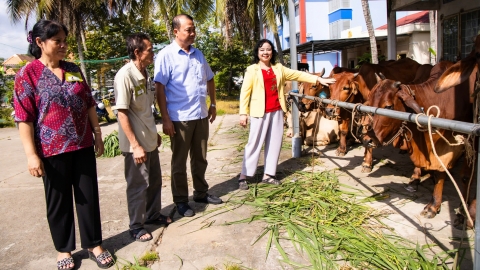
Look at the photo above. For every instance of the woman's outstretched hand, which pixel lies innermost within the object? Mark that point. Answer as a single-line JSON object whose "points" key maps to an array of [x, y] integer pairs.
{"points": [[326, 81]]}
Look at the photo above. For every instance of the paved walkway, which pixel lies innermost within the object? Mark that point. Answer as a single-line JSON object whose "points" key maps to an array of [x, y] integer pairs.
{"points": [[188, 243]]}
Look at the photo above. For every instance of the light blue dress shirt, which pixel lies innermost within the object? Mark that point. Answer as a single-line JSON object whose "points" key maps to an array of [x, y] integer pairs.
{"points": [[185, 77]]}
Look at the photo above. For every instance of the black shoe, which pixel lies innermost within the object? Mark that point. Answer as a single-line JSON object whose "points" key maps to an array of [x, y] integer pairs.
{"points": [[242, 184], [209, 199], [184, 210]]}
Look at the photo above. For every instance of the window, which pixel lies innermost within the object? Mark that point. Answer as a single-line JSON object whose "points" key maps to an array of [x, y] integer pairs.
{"points": [[450, 38], [297, 10], [298, 38], [470, 25]]}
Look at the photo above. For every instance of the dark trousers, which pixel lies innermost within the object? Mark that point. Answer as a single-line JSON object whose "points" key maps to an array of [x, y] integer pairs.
{"points": [[190, 137], [75, 169], [144, 188]]}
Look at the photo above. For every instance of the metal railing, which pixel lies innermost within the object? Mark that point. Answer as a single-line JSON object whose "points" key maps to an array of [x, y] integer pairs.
{"points": [[453, 125]]}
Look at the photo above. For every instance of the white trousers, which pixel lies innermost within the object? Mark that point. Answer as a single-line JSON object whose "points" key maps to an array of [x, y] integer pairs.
{"points": [[268, 129]]}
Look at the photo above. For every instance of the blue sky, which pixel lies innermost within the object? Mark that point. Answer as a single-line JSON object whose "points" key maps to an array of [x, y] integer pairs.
{"points": [[13, 39]]}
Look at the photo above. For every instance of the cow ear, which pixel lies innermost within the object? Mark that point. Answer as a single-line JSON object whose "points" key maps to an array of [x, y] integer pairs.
{"points": [[409, 101], [322, 72], [456, 74], [354, 86]]}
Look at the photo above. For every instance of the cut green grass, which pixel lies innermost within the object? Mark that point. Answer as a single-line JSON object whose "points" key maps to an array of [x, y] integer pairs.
{"points": [[330, 226]]}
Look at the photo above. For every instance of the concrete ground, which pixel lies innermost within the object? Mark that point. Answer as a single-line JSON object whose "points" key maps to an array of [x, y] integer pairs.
{"points": [[195, 243]]}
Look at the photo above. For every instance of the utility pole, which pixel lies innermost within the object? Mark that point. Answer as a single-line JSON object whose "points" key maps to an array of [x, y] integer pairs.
{"points": [[296, 138]]}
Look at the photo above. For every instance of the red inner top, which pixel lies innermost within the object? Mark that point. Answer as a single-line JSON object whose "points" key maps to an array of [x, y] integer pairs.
{"points": [[271, 91]]}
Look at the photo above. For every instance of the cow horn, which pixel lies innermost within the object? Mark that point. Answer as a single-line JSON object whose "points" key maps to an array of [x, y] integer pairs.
{"points": [[381, 75], [355, 75], [378, 77], [397, 84], [322, 72]]}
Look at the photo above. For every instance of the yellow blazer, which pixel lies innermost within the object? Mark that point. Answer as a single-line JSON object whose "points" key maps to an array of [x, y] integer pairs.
{"points": [[252, 94]]}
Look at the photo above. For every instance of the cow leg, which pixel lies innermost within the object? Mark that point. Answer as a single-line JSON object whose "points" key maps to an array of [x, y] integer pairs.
{"points": [[367, 164], [435, 204], [412, 186], [342, 132]]}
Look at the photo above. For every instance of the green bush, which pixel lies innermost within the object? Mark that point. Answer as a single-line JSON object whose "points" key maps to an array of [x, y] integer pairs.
{"points": [[6, 119]]}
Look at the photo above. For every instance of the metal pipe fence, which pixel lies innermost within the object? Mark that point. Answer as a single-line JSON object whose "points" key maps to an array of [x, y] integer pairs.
{"points": [[453, 125], [462, 127]]}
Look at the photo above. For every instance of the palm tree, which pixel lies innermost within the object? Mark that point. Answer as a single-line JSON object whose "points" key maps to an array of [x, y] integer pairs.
{"points": [[371, 33], [433, 36], [200, 10], [274, 9], [73, 14]]}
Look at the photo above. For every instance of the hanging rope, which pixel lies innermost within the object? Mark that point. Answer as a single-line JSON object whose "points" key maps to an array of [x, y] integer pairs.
{"points": [[430, 132], [358, 123]]}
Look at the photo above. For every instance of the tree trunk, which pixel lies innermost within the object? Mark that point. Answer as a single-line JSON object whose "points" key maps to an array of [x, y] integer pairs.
{"points": [[230, 79], [433, 36], [279, 48], [78, 37], [82, 33], [256, 21], [168, 24], [371, 33], [260, 21]]}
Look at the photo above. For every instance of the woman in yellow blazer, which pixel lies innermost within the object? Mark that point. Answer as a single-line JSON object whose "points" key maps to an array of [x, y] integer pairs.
{"points": [[263, 99]]}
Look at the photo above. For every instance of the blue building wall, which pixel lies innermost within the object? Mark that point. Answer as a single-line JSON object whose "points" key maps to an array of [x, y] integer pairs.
{"points": [[318, 20], [378, 12], [316, 12], [340, 14]]}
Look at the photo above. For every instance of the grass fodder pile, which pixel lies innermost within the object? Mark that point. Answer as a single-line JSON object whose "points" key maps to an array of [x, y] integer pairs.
{"points": [[111, 145], [331, 227]]}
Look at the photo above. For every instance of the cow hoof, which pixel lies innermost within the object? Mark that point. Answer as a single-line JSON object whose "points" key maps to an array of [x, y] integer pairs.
{"points": [[458, 222], [412, 186], [366, 168], [428, 212], [340, 152]]}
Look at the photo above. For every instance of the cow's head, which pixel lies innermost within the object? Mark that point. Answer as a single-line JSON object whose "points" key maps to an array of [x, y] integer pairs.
{"points": [[460, 71], [391, 95], [311, 89], [344, 89]]}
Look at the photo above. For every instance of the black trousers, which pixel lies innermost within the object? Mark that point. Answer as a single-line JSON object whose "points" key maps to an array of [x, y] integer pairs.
{"points": [[75, 169]]}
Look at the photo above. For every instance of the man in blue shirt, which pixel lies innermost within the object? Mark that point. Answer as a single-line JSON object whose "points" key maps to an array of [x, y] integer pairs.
{"points": [[183, 79]]}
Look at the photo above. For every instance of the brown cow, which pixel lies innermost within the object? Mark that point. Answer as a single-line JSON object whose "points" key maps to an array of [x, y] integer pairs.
{"points": [[314, 129], [460, 72], [356, 87], [307, 88], [389, 94], [423, 73], [317, 89]]}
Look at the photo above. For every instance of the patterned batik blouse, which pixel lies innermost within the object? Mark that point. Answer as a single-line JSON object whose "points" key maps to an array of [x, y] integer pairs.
{"points": [[57, 109]]}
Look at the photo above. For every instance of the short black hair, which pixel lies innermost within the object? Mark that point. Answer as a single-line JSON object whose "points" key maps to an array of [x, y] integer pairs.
{"points": [[135, 42], [257, 47], [44, 29], [176, 20]]}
